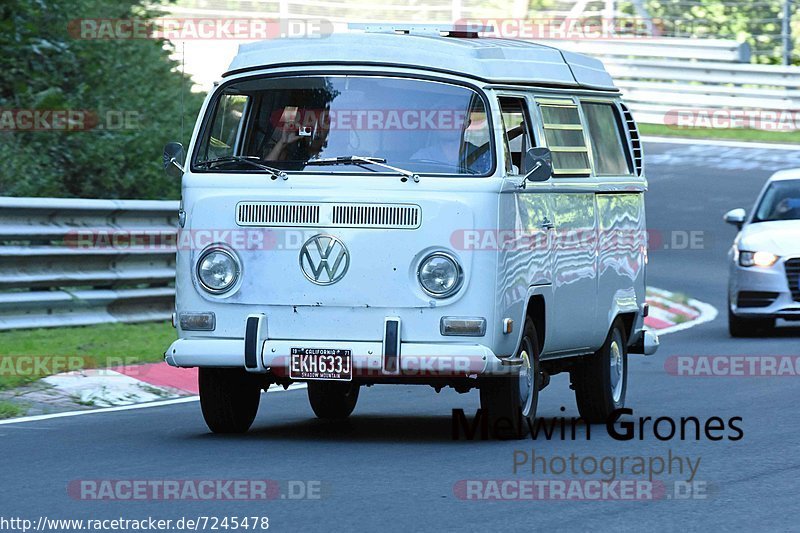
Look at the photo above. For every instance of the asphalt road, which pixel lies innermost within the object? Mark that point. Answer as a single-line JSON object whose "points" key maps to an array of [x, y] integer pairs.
{"points": [[394, 466]]}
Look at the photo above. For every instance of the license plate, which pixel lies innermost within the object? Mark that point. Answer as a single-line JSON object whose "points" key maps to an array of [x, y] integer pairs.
{"points": [[321, 364]]}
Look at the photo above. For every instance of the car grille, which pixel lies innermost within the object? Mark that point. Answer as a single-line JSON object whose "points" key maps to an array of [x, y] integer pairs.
{"points": [[287, 214], [756, 299], [378, 216], [793, 277], [276, 214]]}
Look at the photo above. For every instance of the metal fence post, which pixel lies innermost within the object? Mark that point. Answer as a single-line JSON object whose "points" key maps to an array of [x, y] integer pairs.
{"points": [[455, 10], [787, 32]]}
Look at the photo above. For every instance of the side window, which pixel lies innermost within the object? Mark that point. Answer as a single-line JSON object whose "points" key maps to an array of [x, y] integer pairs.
{"points": [[225, 127], [517, 133], [564, 135], [608, 144], [476, 141]]}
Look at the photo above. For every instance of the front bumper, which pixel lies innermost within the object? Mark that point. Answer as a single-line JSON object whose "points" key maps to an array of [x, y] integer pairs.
{"points": [[763, 285], [416, 361]]}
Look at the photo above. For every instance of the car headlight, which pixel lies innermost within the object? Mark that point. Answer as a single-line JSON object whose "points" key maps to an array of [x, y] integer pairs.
{"points": [[759, 259], [440, 275], [217, 270]]}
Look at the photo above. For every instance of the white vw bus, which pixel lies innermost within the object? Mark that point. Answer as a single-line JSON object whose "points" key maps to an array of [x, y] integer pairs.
{"points": [[414, 205]]}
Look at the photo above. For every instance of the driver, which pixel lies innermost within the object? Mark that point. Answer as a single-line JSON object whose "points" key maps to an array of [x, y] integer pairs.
{"points": [[301, 135], [788, 208]]}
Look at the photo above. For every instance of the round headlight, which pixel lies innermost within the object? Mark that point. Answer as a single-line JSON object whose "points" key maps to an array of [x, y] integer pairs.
{"points": [[217, 270], [440, 275]]}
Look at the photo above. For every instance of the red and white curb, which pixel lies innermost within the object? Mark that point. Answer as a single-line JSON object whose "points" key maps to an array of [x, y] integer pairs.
{"points": [[670, 312], [158, 384], [129, 385]]}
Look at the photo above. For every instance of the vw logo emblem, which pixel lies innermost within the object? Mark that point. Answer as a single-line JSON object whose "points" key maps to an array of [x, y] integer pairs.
{"points": [[324, 259]]}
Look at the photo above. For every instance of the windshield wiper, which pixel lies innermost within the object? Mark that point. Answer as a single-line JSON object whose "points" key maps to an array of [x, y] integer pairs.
{"points": [[356, 159], [250, 159]]}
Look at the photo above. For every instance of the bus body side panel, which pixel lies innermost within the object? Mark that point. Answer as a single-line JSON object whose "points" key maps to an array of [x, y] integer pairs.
{"points": [[621, 256]]}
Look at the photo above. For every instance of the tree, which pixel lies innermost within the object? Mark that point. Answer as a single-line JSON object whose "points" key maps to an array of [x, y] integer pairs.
{"points": [[127, 92], [758, 23]]}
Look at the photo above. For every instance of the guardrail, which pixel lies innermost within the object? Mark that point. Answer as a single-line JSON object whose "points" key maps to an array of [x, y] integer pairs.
{"points": [[644, 46], [61, 262], [659, 77], [654, 89]]}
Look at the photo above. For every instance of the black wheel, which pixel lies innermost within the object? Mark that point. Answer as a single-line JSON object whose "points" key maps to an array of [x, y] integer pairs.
{"points": [[510, 402], [229, 399], [748, 327], [332, 400], [601, 379]]}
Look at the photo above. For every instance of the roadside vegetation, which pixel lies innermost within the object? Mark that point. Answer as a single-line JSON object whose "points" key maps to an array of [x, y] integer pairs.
{"points": [[127, 91], [9, 409], [757, 23], [734, 134], [31, 354]]}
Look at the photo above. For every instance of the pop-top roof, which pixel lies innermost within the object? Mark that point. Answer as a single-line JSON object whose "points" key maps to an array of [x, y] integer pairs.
{"points": [[488, 59]]}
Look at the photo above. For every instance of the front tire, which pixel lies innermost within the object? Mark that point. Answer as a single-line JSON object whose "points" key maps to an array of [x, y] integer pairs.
{"points": [[332, 400], [229, 399], [601, 379], [510, 402], [748, 327]]}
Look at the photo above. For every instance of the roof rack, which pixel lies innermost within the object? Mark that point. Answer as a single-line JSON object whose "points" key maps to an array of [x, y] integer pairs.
{"points": [[469, 30]]}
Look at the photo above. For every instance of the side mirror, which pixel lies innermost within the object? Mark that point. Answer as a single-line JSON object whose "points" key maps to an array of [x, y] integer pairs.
{"points": [[539, 164], [173, 160], [736, 217]]}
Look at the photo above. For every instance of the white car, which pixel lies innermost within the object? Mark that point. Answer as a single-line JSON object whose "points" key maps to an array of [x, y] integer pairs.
{"points": [[764, 282], [413, 205]]}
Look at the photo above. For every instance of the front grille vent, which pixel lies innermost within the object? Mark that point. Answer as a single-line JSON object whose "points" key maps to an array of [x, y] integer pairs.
{"points": [[329, 215], [276, 214], [793, 277], [376, 216], [756, 299]]}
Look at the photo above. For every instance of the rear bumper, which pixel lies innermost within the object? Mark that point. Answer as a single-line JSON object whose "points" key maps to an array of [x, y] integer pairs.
{"points": [[416, 361], [646, 344]]}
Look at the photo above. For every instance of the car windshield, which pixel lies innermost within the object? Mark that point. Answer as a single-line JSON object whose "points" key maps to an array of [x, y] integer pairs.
{"points": [[780, 202], [420, 126]]}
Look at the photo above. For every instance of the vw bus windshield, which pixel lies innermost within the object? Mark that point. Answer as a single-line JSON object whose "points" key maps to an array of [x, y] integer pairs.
{"points": [[288, 123]]}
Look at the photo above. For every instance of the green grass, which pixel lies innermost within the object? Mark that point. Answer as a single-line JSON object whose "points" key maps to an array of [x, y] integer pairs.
{"points": [[9, 410], [27, 355], [738, 134]]}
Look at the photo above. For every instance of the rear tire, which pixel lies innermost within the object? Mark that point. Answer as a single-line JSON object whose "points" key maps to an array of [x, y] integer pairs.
{"points": [[510, 402], [229, 399], [601, 379], [332, 400]]}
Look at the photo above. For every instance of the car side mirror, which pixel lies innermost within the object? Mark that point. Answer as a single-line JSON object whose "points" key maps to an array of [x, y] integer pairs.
{"points": [[173, 160], [538, 164], [736, 217]]}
